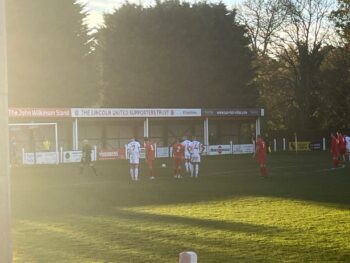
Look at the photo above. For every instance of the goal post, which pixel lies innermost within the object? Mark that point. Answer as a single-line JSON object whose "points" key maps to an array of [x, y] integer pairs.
{"points": [[48, 152]]}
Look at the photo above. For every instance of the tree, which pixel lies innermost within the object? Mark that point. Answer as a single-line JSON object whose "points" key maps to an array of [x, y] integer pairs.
{"points": [[341, 17], [305, 37], [175, 54], [297, 40], [264, 21], [50, 58], [276, 93], [335, 94], [336, 73]]}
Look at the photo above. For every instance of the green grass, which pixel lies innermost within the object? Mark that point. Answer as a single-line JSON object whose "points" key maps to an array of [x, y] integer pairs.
{"points": [[229, 214]]}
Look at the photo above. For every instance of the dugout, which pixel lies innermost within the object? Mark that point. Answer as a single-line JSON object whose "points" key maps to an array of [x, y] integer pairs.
{"points": [[115, 127], [109, 128]]}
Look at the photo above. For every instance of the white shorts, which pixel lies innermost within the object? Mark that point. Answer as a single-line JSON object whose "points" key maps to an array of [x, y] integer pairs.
{"points": [[187, 156], [195, 158], [134, 159]]}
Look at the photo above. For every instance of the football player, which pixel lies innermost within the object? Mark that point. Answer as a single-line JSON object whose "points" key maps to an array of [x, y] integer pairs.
{"points": [[260, 151], [150, 150], [178, 155], [134, 150], [86, 157], [187, 154], [196, 148]]}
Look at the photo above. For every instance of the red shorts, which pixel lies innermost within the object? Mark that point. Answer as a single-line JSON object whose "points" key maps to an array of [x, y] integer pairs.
{"points": [[335, 154], [178, 162], [262, 159], [342, 150], [149, 163]]}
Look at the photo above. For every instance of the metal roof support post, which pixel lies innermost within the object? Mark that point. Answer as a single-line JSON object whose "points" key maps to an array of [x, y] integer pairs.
{"points": [[75, 135], [257, 127], [206, 131], [145, 128]]}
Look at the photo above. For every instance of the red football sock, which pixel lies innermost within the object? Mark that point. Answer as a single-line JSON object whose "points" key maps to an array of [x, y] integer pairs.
{"points": [[335, 162], [262, 171], [265, 171]]}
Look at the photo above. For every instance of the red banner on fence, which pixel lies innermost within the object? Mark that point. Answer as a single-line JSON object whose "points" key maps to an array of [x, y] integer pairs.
{"points": [[39, 112], [111, 154]]}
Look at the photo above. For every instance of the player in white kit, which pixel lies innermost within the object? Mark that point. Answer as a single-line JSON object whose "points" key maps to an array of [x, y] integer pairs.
{"points": [[187, 154], [347, 141], [134, 150], [196, 148]]}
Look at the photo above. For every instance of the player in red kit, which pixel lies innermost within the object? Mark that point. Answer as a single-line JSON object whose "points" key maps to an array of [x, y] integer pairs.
{"points": [[150, 151], [335, 150], [261, 154], [178, 155], [342, 145]]}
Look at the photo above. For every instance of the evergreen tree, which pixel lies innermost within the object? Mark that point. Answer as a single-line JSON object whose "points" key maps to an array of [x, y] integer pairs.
{"points": [[50, 58], [175, 55]]}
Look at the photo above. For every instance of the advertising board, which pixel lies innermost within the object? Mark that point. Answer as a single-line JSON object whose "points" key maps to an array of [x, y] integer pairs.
{"points": [[133, 113], [75, 156], [111, 154], [242, 148], [219, 149], [299, 146], [40, 158], [163, 152]]}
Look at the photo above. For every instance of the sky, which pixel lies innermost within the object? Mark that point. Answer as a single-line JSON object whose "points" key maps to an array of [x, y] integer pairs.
{"points": [[96, 8]]}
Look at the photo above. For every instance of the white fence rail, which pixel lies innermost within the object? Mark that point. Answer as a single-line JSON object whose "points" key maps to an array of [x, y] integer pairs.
{"points": [[30, 158]]}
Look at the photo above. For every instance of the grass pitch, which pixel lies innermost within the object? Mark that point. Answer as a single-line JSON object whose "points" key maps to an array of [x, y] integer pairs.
{"points": [[300, 214]]}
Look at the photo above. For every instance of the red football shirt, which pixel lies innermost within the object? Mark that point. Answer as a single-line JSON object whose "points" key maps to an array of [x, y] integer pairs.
{"points": [[178, 150], [261, 147], [150, 150], [334, 145], [342, 142]]}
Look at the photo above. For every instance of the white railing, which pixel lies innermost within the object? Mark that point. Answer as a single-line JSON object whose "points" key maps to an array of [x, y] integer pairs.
{"points": [[30, 158]]}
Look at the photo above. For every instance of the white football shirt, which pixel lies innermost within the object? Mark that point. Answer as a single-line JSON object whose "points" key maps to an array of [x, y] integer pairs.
{"points": [[347, 140], [186, 144], [195, 147], [134, 148]]}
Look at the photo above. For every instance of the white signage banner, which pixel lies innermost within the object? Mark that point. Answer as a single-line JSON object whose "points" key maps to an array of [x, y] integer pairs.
{"points": [[243, 148], [133, 113], [72, 156], [40, 158], [163, 152], [142, 153], [203, 153], [75, 156], [219, 149]]}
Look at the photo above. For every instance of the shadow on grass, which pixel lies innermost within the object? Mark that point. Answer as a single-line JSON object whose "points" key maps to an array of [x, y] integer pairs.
{"points": [[196, 222], [137, 237], [98, 232], [47, 191]]}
